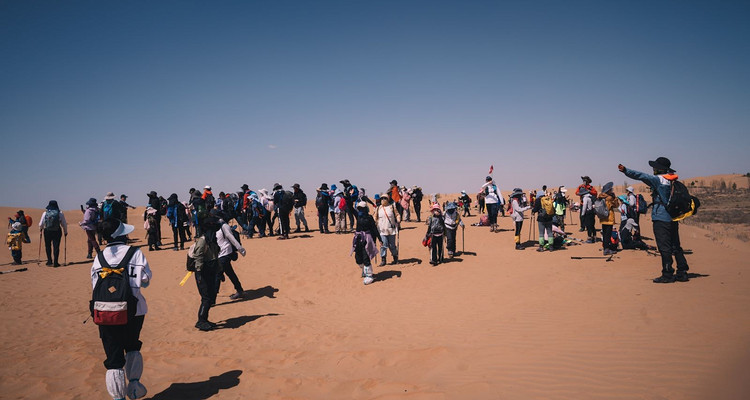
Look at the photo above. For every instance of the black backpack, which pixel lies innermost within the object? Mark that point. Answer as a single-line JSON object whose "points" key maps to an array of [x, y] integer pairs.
{"points": [[437, 225], [112, 301], [681, 204], [641, 206], [287, 200], [302, 200], [210, 201]]}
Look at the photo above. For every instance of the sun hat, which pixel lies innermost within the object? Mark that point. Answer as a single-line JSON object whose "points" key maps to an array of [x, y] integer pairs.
{"points": [[122, 230], [630, 224], [122, 196], [296, 186], [244, 186], [517, 192], [435, 206], [463, 192], [151, 194], [662, 164], [630, 189], [393, 182], [623, 198], [607, 187], [324, 186], [451, 206], [91, 202], [488, 178], [109, 196], [277, 186], [206, 187]]}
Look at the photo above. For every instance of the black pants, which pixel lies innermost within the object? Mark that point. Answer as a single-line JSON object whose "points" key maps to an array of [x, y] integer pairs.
{"points": [[667, 236], [350, 213], [52, 240], [120, 339], [323, 219], [481, 207], [206, 281], [436, 249], [181, 231], [418, 210], [607, 237], [450, 238], [269, 223], [284, 221], [587, 222], [225, 268], [492, 212], [519, 225]]}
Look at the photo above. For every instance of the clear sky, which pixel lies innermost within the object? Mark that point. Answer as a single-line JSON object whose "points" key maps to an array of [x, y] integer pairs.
{"points": [[133, 96]]}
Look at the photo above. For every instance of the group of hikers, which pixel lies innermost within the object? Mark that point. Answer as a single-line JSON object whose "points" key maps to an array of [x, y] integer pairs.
{"points": [[217, 243]]}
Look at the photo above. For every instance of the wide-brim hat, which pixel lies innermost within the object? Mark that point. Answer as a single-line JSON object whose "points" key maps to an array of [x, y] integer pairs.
{"points": [[109, 196], [173, 196], [122, 196], [662, 164], [206, 187], [244, 187], [361, 204], [122, 230], [324, 186], [151, 194], [435, 206], [393, 182], [296, 186], [451, 206], [277, 186], [630, 189], [91, 202], [586, 178], [630, 224], [517, 192], [623, 198], [607, 187]]}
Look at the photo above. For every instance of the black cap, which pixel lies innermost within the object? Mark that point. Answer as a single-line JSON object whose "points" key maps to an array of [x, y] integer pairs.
{"points": [[662, 164]]}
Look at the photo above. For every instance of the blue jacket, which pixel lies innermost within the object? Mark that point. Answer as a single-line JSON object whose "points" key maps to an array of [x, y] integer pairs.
{"points": [[661, 187]]}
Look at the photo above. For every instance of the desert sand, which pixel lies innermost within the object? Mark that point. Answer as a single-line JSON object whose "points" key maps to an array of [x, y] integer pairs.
{"points": [[494, 323]]}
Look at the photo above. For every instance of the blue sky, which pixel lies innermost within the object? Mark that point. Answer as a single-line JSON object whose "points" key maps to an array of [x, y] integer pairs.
{"points": [[133, 96]]}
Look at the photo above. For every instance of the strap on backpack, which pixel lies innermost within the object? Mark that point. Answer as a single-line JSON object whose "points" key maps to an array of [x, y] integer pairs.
{"points": [[107, 269]]}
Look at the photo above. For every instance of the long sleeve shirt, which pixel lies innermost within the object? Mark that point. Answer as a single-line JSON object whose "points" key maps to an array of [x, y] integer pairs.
{"points": [[63, 222]]}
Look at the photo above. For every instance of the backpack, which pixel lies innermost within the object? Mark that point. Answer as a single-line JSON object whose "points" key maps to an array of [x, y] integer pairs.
{"points": [[302, 200], [320, 200], [615, 238], [437, 226], [28, 220], [112, 300], [681, 204], [107, 209], [641, 207], [210, 201], [547, 206], [600, 208], [342, 203], [287, 200], [52, 220], [151, 223]]}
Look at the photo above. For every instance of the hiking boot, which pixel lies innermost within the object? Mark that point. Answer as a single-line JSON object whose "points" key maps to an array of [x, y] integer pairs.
{"points": [[282, 237], [235, 296], [540, 249], [664, 279], [519, 247], [89, 256], [307, 229], [204, 326], [297, 230], [48, 263], [175, 248], [55, 265], [681, 277], [395, 260], [382, 262], [589, 241]]}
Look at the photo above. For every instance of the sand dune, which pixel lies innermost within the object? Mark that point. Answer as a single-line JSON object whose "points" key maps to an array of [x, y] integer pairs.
{"points": [[499, 324]]}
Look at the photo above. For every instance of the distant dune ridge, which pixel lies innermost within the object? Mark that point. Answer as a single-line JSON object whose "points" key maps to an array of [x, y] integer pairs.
{"points": [[500, 324]]}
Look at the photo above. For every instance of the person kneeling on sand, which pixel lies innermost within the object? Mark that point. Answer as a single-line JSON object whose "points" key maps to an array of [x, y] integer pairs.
{"points": [[122, 344], [363, 243]]}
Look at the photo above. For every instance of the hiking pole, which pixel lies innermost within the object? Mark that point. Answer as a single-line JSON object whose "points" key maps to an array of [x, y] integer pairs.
{"points": [[463, 241], [39, 254], [65, 252]]}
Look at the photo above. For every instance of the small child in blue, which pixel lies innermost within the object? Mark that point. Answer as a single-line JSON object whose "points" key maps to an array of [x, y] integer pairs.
{"points": [[15, 242]]}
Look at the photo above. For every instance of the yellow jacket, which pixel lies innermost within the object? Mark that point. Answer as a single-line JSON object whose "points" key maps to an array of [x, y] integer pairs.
{"points": [[611, 201], [15, 240]]}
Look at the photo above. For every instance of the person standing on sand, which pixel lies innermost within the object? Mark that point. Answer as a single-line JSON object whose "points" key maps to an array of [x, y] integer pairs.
{"points": [[587, 214], [227, 242], [492, 200], [124, 206], [590, 189], [122, 344], [435, 231], [608, 222], [416, 193], [518, 207], [300, 201], [395, 194], [364, 242], [322, 202], [89, 224], [666, 231], [388, 221], [177, 216], [206, 255], [53, 226]]}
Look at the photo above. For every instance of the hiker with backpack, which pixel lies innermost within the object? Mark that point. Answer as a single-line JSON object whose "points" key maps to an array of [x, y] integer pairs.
{"points": [[267, 201], [416, 198], [364, 242], [284, 202], [394, 192], [90, 225], [339, 209], [466, 201], [351, 195], [587, 214], [322, 204], [53, 226], [435, 233], [452, 220], [111, 208], [206, 256], [256, 214], [605, 207], [388, 221], [14, 241], [589, 189], [125, 268], [668, 194], [229, 246], [561, 205], [150, 225], [300, 201], [25, 222], [200, 212], [626, 212], [492, 200], [155, 202], [518, 206], [545, 210], [208, 198], [177, 216]]}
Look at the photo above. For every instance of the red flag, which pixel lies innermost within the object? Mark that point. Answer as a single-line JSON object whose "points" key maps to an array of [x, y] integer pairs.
{"points": [[492, 167]]}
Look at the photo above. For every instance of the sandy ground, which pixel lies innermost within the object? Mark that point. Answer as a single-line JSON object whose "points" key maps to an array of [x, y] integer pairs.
{"points": [[494, 323]]}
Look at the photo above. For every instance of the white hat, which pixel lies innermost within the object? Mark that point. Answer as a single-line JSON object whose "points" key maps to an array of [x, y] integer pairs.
{"points": [[630, 224], [122, 230], [109, 196], [630, 189], [16, 226], [206, 187], [361, 204]]}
